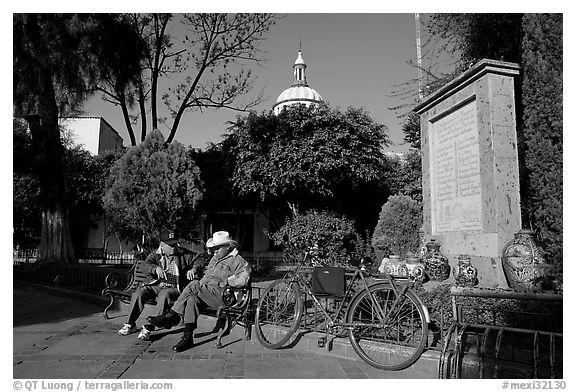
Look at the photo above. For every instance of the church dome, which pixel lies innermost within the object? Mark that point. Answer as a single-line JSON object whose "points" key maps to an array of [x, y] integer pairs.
{"points": [[299, 92]]}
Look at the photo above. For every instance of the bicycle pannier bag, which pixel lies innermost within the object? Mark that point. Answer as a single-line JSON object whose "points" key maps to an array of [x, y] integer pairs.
{"points": [[329, 281]]}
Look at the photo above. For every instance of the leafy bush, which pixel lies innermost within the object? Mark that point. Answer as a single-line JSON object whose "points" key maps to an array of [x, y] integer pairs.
{"points": [[337, 239], [397, 228]]}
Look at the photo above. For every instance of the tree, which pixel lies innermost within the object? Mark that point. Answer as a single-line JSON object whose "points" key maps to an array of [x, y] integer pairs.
{"points": [[216, 164], [406, 177], [543, 130], [216, 46], [54, 70], [153, 188], [397, 228], [21, 147], [411, 130], [307, 156], [26, 212], [451, 44], [472, 37]]}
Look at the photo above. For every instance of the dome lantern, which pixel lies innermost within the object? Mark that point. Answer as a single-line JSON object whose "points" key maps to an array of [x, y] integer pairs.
{"points": [[299, 71]]}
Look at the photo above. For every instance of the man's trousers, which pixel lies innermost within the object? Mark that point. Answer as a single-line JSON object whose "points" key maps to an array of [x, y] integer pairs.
{"points": [[164, 298], [187, 303]]}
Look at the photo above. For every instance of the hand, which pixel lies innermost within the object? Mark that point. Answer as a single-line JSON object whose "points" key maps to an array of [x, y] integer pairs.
{"points": [[160, 273], [191, 275]]}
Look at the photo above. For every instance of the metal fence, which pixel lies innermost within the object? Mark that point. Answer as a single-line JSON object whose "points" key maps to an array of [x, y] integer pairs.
{"points": [[509, 334], [24, 255], [80, 278], [263, 263], [85, 256]]}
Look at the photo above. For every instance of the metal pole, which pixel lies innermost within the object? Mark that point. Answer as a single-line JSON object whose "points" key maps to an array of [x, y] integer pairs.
{"points": [[419, 57]]}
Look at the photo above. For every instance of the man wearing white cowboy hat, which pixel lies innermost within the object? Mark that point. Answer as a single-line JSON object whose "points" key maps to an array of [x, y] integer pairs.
{"points": [[226, 267]]}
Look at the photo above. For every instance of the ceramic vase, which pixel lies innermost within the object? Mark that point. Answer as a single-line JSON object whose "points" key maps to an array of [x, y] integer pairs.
{"points": [[435, 264], [465, 273], [422, 246], [523, 262], [415, 268], [394, 266]]}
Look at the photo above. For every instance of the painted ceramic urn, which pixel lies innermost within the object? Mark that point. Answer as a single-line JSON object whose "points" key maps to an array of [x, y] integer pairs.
{"points": [[465, 273], [415, 268], [523, 262], [394, 266], [422, 246], [435, 263]]}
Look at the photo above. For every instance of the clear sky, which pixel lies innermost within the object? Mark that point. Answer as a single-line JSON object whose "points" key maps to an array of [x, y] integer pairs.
{"points": [[353, 60]]}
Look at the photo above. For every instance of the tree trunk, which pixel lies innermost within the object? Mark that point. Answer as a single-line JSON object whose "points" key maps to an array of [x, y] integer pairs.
{"points": [[55, 245], [141, 103], [126, 116], [56, 241]]}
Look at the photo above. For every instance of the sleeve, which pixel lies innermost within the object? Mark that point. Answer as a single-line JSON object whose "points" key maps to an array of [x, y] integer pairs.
{"points": [[194, 261], [152, 261], [241, 274], [199, 263]]}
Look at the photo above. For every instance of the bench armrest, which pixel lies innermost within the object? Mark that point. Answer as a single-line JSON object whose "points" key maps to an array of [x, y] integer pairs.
{"points": [[236, 296], [118, 280]]}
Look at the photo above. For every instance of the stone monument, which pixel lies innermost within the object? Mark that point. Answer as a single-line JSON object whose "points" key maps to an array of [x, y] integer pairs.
{"points": [[470, 177]]}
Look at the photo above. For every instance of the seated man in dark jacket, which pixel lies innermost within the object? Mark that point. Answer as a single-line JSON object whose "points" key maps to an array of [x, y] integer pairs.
{"points": [[226, 267], [170, 267]]}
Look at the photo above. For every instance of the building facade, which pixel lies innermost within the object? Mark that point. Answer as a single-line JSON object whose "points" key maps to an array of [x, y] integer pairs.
{"points": [[94, 134]]}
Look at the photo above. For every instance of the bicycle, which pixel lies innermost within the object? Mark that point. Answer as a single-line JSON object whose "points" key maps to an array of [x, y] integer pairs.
{"points": [[386, 321]]}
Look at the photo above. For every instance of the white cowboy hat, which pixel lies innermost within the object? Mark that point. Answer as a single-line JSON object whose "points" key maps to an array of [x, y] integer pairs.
{"points": [[221, 238]]}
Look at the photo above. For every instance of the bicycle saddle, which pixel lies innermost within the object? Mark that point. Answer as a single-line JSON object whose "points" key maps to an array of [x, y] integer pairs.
{"points": [[366, 261]]}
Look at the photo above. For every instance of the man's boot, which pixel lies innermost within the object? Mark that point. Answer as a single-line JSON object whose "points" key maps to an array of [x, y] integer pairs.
{"points": [[187, 340], [166, 320]]}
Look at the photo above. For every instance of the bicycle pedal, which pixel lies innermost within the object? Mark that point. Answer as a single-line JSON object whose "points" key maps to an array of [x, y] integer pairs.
{"points": [[322, 342]]}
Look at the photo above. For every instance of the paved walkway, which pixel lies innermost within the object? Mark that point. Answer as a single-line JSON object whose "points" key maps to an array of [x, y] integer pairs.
{"points": [[57, 337]]}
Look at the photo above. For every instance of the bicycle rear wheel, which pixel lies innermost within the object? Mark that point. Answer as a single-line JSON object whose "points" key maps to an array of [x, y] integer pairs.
{"points": [[278, 314], [395, 345]]}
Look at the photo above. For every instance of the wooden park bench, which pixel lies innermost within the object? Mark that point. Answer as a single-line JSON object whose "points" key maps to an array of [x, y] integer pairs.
{"points": [[237, 308]]}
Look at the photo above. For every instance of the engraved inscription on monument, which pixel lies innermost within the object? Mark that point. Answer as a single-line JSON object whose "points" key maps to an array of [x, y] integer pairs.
{"points": [[455, 171]]}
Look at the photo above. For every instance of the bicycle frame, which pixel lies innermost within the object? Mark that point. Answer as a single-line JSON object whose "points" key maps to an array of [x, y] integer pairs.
{"points": [[359, 274], [375, 314]]}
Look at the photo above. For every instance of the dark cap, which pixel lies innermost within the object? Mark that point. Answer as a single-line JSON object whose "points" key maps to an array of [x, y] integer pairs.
{"points": [[169, 238]]}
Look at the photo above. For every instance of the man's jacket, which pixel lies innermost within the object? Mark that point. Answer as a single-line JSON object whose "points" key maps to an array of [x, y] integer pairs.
{"points": [[185, 261], [232, 270]]}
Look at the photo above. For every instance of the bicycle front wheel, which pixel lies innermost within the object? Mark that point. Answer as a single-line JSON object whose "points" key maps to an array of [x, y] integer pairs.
{"points": [[278, 314], [400, 341]]}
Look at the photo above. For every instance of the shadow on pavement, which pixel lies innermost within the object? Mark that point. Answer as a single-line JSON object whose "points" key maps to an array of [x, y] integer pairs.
{"points": [[32, 306]]}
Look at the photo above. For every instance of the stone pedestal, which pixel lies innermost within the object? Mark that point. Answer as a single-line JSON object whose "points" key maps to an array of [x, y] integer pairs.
{"points": [[470, 177]]}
